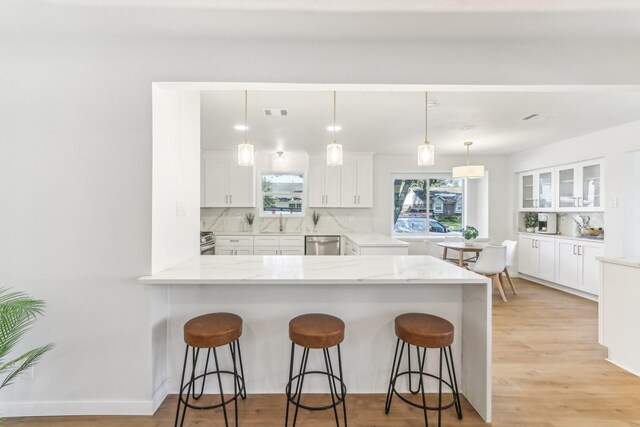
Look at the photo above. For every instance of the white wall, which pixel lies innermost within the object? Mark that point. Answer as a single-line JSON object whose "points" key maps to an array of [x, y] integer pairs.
{"points": [[632, 209], [615, 145], [75, 174]]}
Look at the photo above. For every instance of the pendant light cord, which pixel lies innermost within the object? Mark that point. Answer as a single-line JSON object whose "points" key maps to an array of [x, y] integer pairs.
{"points": [[334, 116], [245, 116], [426, 117]]}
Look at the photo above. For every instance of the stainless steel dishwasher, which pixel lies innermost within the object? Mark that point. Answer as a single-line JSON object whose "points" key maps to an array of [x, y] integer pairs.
{"points": [[322, 245]]}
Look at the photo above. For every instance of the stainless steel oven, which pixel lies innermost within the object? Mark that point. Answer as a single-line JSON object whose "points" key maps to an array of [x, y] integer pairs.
{"points": [[207, 243]]}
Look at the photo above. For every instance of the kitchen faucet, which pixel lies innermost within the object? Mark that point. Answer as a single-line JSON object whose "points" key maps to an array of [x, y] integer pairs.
{"points": [[281, 224]]}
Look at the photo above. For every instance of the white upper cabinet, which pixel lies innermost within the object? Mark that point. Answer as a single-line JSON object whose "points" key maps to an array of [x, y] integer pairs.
{"points": [[537, 190], [346, 186], [225, 184], [356, 189], [323, 183], [580, 186]]}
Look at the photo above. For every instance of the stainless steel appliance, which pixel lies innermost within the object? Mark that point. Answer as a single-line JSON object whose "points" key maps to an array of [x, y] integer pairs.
{"points": [[322, 245], [207, 243], [547, 224]]}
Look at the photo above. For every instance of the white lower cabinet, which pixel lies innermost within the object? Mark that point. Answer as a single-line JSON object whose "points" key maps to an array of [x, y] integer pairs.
{"points": [[352, 248], [568, 262], [536, 256], [576, 264], [234, 245], [278, 245]]}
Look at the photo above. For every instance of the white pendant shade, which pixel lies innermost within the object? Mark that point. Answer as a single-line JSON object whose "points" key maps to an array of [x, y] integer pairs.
{"points": [[469, 171], [245, 154], [426, 155], [334, 154], [334, 150]]}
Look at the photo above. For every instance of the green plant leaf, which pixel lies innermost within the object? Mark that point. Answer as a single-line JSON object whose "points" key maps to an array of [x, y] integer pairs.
{"points": [[26, 361]]}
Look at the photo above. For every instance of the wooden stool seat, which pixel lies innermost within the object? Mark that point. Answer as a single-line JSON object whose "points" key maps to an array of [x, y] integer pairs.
{"points": [[212, 330], [424, 330], [316, 330]]}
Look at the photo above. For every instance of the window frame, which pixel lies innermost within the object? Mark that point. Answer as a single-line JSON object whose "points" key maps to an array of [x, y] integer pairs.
{"points": [[261, 210], [427, 177]]}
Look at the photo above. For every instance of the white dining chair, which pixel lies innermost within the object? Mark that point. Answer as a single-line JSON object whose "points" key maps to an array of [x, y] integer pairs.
{"points": [[511, 250], [492, 262]]}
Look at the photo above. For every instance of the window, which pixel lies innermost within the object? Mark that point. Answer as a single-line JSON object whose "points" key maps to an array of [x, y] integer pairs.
{"points": [[282, 193], [427, 204]]}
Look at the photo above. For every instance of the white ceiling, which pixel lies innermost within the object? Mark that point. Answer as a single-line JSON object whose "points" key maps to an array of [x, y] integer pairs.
{"points": [[325, 19], [393, 122]]}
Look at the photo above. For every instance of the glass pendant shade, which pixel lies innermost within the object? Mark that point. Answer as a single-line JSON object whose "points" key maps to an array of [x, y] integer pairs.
{"points": [[334, 154], [468, 171], [426, 154]]}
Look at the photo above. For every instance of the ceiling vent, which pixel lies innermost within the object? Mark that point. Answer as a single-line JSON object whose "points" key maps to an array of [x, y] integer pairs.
{"points": [[271, 112]]}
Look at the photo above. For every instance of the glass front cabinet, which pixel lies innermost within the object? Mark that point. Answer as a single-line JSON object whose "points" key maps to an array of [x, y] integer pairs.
{"points": [[537, 191], [581, 186]]}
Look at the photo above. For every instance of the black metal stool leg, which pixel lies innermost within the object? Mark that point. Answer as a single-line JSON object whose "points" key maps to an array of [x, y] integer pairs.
{"points": [[440, 390], [332, 384], [342, 391], [288, 392], [204, 378], [410, 375], [224, 406], [184, 368], [387, 404], [243, 389], [424, 399], [194, 358], [454, 382], [394, 377], [303, 369], [235, 381]]}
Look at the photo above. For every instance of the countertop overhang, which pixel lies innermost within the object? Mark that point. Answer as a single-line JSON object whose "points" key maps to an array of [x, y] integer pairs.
{"points": [[320, 270]]}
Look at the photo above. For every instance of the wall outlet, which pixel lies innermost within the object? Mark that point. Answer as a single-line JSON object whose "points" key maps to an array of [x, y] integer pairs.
{"points": [[614, 202]]}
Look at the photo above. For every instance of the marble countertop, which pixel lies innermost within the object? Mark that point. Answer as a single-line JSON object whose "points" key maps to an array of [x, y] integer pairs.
{"points": [[276, 233], [629, 261], [374, 240], [321, 270], [561, 236]]}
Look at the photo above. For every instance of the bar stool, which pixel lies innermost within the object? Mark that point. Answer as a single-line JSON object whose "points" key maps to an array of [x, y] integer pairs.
{"points": [[424, 331], [316, 331], [209, 332]]}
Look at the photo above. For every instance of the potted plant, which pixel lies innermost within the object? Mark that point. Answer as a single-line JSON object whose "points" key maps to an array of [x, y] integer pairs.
{"points": [[315, 218], [249, 217], [530, 222], [470, 234], [583, 223], [17, 314]]}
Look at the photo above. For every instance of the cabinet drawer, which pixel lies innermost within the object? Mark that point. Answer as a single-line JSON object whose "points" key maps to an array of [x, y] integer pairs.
{"points": [[234, 240], [288, 241], [266, 241]]}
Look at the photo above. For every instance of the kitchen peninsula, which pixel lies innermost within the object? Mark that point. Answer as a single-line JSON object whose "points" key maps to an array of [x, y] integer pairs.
{"points": [[367, 292]]}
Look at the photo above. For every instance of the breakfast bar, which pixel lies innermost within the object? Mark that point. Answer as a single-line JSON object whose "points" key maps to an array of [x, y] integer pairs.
{"points": [[367, 292]]}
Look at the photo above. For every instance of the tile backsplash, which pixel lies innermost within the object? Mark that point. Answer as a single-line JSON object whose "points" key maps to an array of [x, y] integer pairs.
{"points": [[331, 221], [566, 225]]}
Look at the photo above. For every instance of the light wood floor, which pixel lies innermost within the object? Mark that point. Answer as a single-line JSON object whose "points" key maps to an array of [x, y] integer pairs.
{"points": [[548, 371]]}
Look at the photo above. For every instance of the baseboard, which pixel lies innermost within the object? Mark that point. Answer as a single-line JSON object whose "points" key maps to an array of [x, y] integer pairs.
{"points": [[159, 395], [81, 407], [631, 371], [562, 288]]}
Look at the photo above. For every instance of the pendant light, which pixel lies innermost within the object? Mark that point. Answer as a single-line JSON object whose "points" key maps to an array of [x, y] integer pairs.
{"points": [[468, 171], [334, 150], [245, 150], [426, 152]]}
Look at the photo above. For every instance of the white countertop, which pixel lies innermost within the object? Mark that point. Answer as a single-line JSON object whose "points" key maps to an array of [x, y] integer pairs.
{"points": [[630, 261], [255, 269], [561, 236], [374, 240]]}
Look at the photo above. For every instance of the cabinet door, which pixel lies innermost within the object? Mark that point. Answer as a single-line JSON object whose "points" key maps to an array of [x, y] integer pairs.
{"points": [[266, 241], [528, 259], [364, 182], [567, 260], [567, 181], [545, 190], [292, 251], [244, 250], [315, 182], [527, 191], [591, 186], [332, 186], [241, 186], [265, 251], [547, 259], [215, 183], [348, 185], [590, 268], [224, 250]]}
